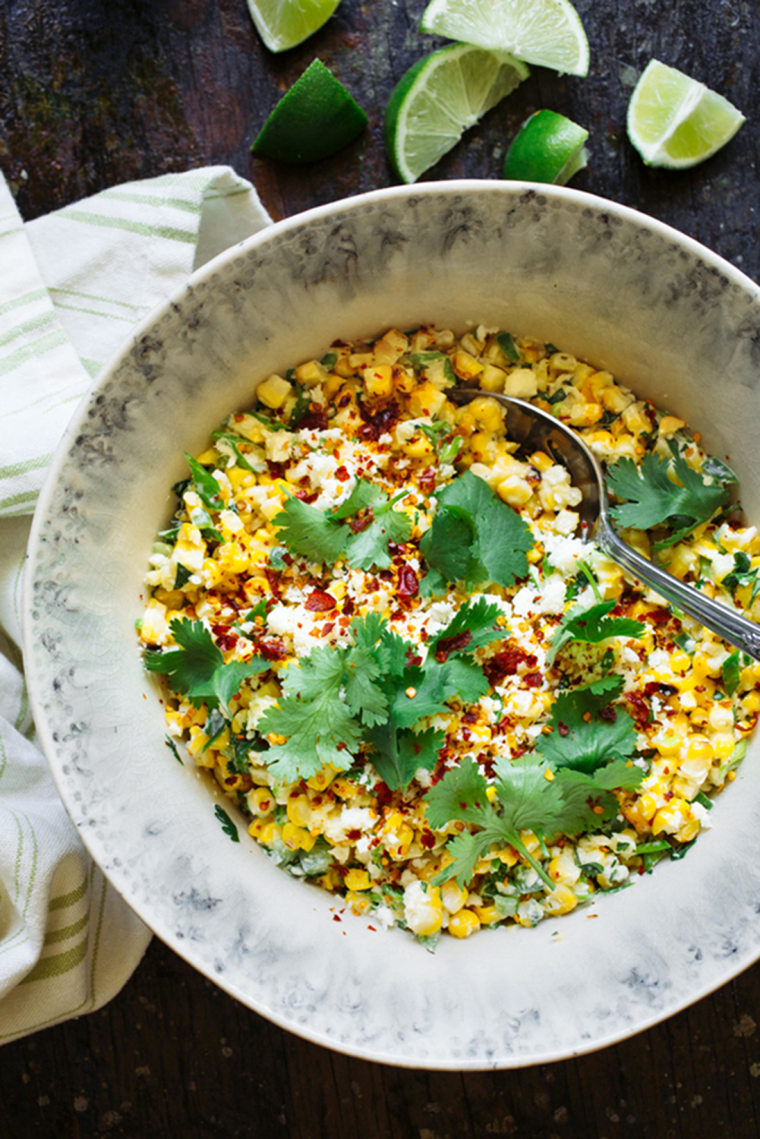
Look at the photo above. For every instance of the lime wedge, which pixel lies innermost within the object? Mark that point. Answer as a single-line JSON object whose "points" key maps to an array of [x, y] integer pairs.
{"points": [[547, 148], [316, 117], [438, 98], [676, 122], [285, 23], [548, 33]]}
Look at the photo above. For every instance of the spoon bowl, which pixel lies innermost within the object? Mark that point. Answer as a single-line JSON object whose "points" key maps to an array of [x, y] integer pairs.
{"points": [[535, 429]]}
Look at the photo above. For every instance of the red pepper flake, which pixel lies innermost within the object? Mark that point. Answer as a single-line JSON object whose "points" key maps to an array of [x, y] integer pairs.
{"points": [[506, 663], [354, 834], [408, 583], [349, 606], [563, 729], [328, 628], [272, 648], [449, 645], [342, 475], [315, 419], [224, 638], [361, 521], [336, 917], [427, 480], [383, 792], [319, 601], [377, 421], [533, 680], [427, 840]]}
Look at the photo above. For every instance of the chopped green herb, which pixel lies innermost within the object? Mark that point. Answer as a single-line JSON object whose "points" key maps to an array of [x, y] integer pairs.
{"points": [[197, 669], [475, 537], [228, 826], [506, 342], [592, 626], [664, 491]]}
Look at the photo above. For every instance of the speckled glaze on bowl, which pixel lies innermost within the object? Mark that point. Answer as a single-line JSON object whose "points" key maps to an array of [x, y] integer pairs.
{"points": [[669, 318]]}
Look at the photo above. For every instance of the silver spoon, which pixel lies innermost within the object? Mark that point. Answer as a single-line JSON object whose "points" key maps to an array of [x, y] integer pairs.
{"points": [[537, 429]]}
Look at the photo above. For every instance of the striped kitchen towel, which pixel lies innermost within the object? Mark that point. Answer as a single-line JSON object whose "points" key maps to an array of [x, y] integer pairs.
{"points": [[73, 284]]}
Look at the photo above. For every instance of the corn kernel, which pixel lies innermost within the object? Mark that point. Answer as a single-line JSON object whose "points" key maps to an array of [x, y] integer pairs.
{"points": [[297, 838], [357, 880], [453, 896], [465, 365], [464, 923], [273, 392]]}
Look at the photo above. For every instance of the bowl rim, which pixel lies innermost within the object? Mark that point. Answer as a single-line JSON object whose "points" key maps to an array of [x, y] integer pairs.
{"points": [[270, 234]]}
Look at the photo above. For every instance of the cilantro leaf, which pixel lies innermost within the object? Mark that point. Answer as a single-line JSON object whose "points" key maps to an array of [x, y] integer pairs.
{"points": [[592, 625], [473, 627], [654, 498], [309, 531], [589, 799], [398, 754], [587, 730], [322, 536], [197, 669], [228, 826], [506, 342], [474, 536], [461, 795], [205, 485]]}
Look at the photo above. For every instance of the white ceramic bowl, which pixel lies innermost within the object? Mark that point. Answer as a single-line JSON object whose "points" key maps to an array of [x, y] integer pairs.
{"points": [[668, 318]]}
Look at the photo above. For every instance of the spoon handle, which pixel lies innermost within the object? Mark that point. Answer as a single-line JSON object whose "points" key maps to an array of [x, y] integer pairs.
{"points": [[727, 623]]}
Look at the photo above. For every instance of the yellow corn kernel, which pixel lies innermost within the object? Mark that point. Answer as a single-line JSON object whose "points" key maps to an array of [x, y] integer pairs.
{"points": [[390, 346], [299, 810], [541, 461], [357, 903], [418, 447], [261, 801], [453, 896], [297, 838], [508, 856], [491, 794], [723, 743], [464, 923], [426, 399], [492, 379], [273, 392], [465, 365], [323, 778], [514, 490], [310, 373], [357, 880], [560, 901], [197, 742], [344, 788], [264, 830], [667, 741], [699, 747], [487, 915], [333, 381], [378, 380], [522, 383], [669, 424], [751, 702]]}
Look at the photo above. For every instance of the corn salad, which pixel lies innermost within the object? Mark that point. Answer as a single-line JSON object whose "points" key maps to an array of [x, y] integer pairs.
{"points": [[311, 540]]}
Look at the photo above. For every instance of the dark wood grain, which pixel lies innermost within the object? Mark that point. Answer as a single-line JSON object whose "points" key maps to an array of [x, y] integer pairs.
{"points": [[93, 92]]}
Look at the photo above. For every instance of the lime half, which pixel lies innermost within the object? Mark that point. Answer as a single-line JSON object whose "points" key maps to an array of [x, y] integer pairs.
{"points": [[548, 33], [316, 117], [438, 98], [676, 122], [547, 148], [285, 23]]}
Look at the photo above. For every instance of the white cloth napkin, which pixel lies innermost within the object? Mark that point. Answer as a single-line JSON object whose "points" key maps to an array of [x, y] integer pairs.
{"points": [[72, 286]]}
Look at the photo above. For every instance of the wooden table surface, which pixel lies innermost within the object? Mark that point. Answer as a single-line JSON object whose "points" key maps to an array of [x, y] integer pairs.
{"points": [[93, 93]]}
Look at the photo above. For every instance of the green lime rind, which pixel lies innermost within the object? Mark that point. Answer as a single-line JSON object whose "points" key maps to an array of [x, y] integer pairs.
{"points": [[283, 25], [315, 118], [549, 147], [440, 97], [675, 121]]}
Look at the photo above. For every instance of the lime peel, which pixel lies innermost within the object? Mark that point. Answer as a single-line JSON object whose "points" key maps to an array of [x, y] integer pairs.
{"points": [[439, 98], [675, 121], [315, 117], [548, 33], [283, 24], [548, 148]]}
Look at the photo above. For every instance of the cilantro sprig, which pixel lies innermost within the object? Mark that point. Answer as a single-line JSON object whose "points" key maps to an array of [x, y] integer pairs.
{"points": [[569, 788], [375, 691], [360, 529], [667, 491], [592, 626], [475, 537], [196, 668]]}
